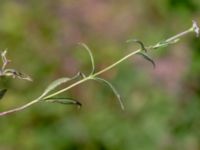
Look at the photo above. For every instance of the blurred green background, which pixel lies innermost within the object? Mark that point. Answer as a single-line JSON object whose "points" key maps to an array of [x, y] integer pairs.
{"points": [[162, 105]]}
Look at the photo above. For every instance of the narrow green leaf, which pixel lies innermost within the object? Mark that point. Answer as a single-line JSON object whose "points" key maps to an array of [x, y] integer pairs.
{"points": [[56, 83], [139, 42], [166, 43], [147, 58], [172, 41], [2, 93], [91, 57], [113, 89], [65, 101]]}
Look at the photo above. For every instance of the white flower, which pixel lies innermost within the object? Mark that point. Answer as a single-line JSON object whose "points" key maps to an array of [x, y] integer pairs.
{"points": [[195, 28]]}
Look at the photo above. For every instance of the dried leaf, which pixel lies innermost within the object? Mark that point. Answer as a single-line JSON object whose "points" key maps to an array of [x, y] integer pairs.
{"points": [[4, 59], [14, 73]]}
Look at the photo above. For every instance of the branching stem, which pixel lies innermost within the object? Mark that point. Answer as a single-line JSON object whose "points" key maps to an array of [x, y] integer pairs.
{"points": [[168, 41]]}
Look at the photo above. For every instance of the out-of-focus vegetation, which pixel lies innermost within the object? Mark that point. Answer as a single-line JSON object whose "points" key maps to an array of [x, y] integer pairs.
{"points": [[162, 104]]}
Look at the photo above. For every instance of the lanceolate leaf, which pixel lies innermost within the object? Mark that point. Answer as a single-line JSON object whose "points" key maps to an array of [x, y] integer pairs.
{"points": [[91, 57], [56, 83], [148, 58], [166, 43], [2, 93], [65, 101], [113, 89]]}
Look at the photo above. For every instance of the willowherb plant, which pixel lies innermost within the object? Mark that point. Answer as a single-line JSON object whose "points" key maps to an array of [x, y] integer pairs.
{"points": [[50, 93]]}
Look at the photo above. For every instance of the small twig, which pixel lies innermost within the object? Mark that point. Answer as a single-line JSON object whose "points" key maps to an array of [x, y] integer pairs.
{"points": [[11, 72], [4, 59]]}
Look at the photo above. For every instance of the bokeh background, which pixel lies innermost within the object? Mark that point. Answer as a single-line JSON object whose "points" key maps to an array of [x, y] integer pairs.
{"points": [[162, 105]]}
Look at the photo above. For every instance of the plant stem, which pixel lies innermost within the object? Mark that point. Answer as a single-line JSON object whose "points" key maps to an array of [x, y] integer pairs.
{"points": [[116, 63], [192, 29], [19, 108], [67, 88], [94, 75], [71, 86], [179, 35]]}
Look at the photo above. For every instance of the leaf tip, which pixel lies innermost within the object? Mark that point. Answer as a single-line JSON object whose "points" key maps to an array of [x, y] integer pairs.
{"points": [[148, 59]]}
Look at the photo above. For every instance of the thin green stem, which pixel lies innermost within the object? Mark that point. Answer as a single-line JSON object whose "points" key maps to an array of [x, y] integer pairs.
{"points": [[71, 86], [37, 100], [67, 88], [94, 75], [179, 35], [19, 108], [116, 63], [194, 28]]}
